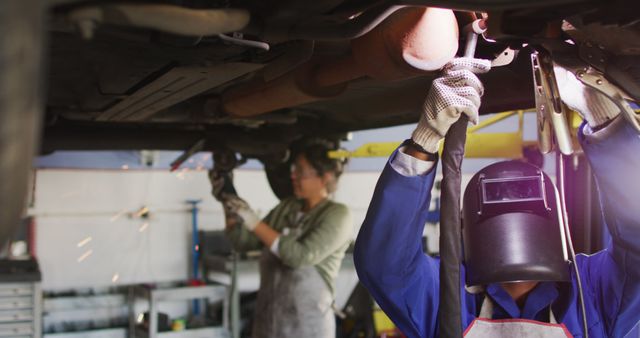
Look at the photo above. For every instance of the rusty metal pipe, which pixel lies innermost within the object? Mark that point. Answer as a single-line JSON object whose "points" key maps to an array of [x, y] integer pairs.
{"points": [[288, 90], [337, 72], [411, 42]]}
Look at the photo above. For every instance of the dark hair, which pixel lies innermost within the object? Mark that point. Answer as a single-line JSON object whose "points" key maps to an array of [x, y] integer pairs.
{"points": [[317, 156]]}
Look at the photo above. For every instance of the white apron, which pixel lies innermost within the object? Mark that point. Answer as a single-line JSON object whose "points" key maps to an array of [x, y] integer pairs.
{"points": [[484, 326]]}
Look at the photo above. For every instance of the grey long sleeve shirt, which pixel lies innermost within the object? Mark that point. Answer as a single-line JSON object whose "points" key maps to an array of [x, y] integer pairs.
{"points": [[319, 238]]}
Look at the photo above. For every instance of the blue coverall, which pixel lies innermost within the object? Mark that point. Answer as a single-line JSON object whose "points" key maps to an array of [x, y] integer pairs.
{"points": [[405, 282]]}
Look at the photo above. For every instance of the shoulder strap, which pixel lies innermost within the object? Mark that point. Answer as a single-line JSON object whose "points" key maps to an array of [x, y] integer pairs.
{"points": [[486, 310], [552, 318]]}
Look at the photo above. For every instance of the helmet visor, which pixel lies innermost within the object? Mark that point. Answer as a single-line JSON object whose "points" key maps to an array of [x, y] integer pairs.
{"points": [[500, 195], [505, 190]]}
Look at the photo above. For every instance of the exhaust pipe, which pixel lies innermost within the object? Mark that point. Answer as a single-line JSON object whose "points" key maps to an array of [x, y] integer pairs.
{"points": [[411, 42]]}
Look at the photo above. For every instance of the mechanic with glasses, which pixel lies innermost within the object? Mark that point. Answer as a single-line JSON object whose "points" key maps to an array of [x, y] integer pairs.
{"points": [[303, 241], [518, 279]]}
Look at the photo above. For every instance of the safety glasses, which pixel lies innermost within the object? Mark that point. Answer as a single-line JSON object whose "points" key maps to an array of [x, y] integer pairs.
{"points": [[300, 173]]}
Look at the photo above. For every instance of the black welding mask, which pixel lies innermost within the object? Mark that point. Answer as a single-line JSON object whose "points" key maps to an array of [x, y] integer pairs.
{"points": [[512, 226]]}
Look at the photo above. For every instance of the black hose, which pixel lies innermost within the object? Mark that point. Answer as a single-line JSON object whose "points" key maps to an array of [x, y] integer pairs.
{"points": [[449, 311]]}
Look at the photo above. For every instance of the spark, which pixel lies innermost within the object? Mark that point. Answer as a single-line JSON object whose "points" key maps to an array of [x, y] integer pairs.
{"points": [[117, 215], [115, 277], [84, 242], [141, 212], [182, 172], [125, 167], [143, 227], [85, 255]]}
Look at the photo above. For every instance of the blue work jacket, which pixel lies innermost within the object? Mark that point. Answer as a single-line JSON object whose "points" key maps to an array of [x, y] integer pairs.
{"points": [[405, 282]]}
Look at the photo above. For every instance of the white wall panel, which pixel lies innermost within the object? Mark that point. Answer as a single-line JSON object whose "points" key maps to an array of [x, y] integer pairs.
{"points": [[88, 213], [86, 236]]}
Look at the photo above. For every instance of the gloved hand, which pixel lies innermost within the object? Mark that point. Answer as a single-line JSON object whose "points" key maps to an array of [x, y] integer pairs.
{"points": [[593, 106], [238, 206], [221, 184], [456, 92]]}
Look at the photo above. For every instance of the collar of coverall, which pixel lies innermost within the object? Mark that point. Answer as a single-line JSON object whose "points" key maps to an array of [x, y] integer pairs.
{"points": [[538, 299]]}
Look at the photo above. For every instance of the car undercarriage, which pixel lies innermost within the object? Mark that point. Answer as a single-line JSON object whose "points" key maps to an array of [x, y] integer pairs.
{"points": [[254, 77]]}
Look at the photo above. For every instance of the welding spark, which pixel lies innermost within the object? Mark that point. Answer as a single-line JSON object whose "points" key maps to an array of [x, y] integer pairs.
{"points": [[84, 242], [125, 167], [115, 278], [118, 215], [143, 227], [141, 212], [181, 174], [85, 255]]}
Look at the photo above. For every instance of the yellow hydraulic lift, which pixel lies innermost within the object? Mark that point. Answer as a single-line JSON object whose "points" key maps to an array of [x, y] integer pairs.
{"points": [[479, 145]]}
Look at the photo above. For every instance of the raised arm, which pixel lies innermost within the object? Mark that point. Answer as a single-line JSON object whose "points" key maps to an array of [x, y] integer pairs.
{"points": [[614, 274], [388, 253], [612, 147]]}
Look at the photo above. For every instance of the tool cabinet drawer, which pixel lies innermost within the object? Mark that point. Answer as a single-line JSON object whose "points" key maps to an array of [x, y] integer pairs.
{"points": [[15, 303], [14, 290], [12, 316], [16, 329]]}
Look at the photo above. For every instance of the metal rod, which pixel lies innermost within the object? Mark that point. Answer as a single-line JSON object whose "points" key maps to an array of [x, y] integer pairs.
{"points": [[473, 30], [470, 48], [565, 220], [195, 250], [244, 42], [188, 153], [235, 298]]}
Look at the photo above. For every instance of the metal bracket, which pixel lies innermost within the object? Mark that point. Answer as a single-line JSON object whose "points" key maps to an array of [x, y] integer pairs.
{"points": [[196, 147], [594, 56], [551, 111], [504, 58], [594, 77], [596, 80]]}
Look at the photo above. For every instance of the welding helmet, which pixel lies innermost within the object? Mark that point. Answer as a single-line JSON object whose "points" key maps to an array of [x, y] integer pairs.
{"points": [[512, 226]]}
